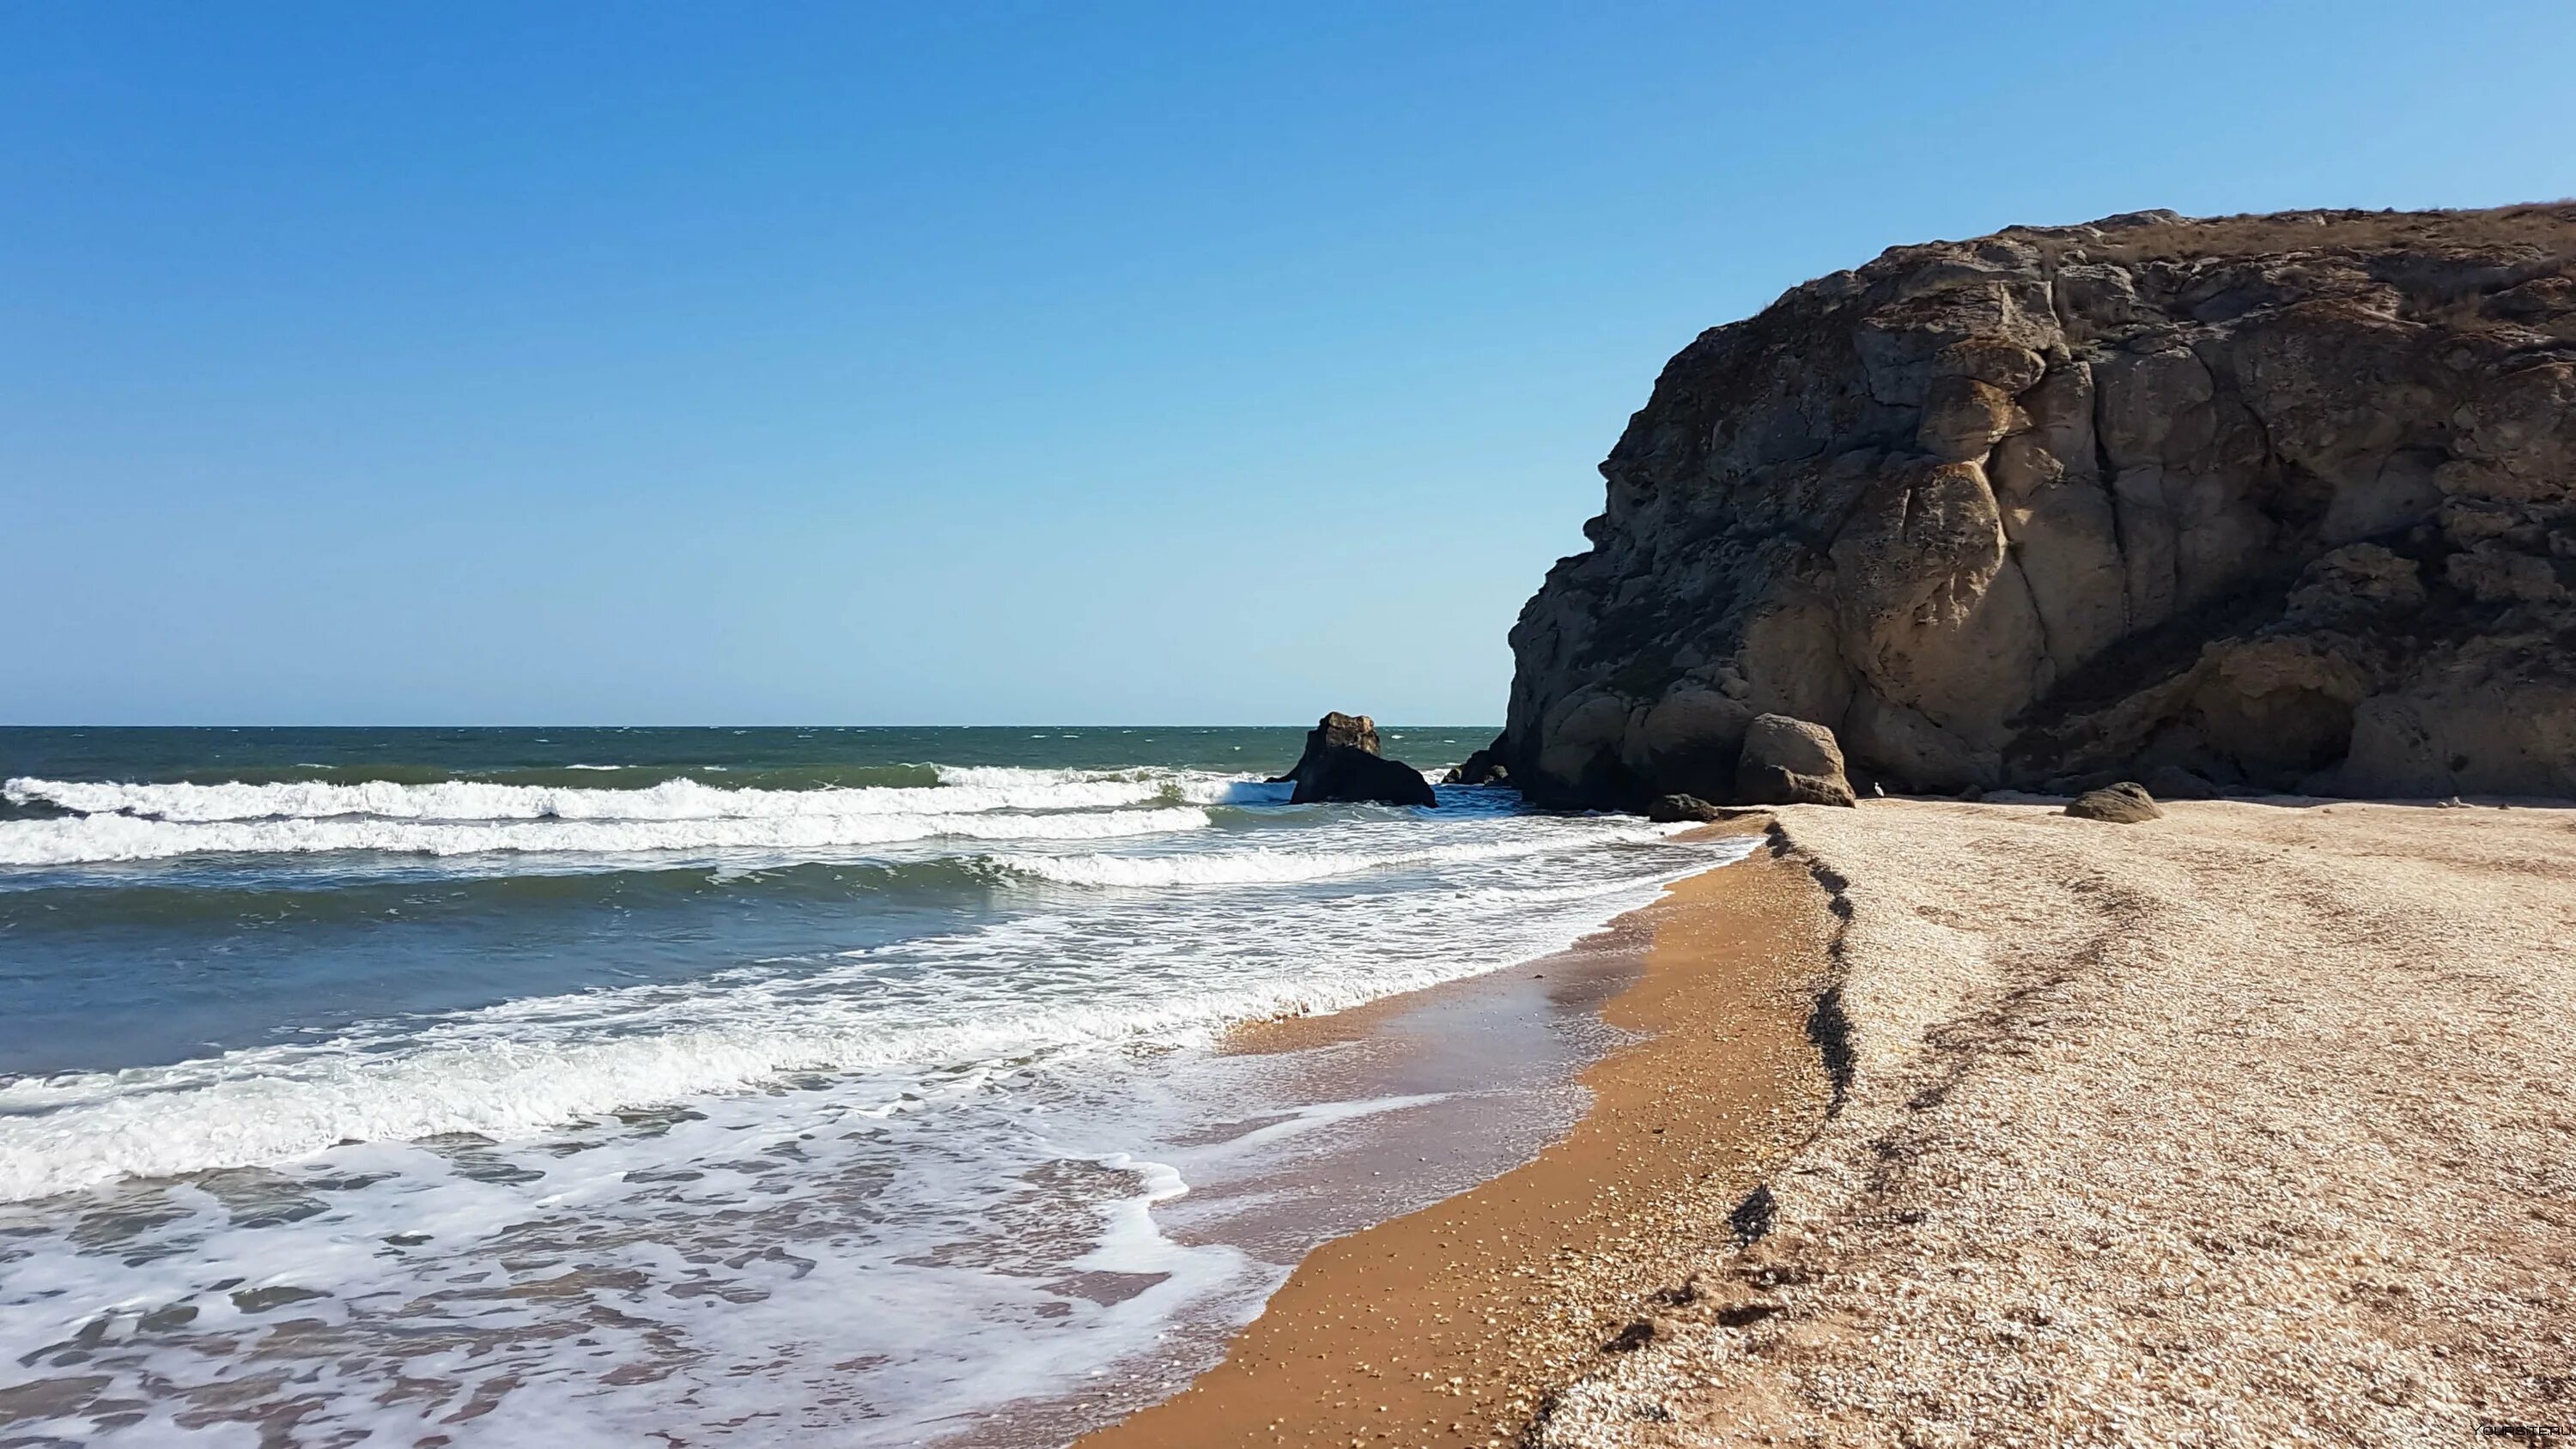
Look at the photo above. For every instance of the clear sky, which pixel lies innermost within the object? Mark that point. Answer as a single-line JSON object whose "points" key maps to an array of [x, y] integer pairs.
{"points": [[932, 363]]}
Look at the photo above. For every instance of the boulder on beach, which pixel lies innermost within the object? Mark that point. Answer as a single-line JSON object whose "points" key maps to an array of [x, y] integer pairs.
{"points": [[2126, 803], [1791, 762], [1341, 764]]}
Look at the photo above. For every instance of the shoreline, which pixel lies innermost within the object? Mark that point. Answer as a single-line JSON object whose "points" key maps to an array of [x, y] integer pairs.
{"points": [[1446, 1326], [2248, 1125]]}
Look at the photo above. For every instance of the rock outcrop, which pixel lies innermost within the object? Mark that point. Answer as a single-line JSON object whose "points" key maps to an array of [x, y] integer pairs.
{"points": [[1481, 767], [1341, 763], [2286, 502], [1335, 730], [1683, 809]]}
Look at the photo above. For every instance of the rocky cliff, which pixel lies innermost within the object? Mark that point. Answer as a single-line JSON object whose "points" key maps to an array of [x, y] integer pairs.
{"points": [[2287, 501]]}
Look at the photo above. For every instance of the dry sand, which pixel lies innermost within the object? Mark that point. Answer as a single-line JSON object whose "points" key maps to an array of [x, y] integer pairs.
{"points": [[2252, 1125]]}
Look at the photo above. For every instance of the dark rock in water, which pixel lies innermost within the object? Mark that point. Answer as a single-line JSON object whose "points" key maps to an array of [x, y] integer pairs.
{"points": [[1673, 809], [1791, 762], [1484, 767], [2127, 803], [1334, 730], [1341, 763], [1341, 773], [2286, 501], [2173, 782]]}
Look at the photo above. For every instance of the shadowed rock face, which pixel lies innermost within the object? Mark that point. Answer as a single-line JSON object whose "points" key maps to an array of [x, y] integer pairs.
{"points": [[2285, 502], [1341, 763], [1341, 773]]}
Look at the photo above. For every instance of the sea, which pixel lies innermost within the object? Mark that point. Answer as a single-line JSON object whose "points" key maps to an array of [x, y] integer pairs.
{"points": [[702, 1086]]}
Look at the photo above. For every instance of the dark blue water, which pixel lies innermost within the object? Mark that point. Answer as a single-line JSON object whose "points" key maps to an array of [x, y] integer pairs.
{"points": [[770, 757], [232, 949]]}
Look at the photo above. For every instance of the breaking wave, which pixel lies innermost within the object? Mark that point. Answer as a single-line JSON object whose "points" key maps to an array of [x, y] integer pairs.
{"points": [[1264, 865], [91, 839], [1075, 983], [271, 1104], [961, 792]]}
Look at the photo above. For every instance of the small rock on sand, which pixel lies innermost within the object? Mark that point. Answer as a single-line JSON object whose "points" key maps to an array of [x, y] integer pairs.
{"points": [[2126, 803]]}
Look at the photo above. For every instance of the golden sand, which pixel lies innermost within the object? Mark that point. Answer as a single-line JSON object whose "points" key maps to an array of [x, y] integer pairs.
{"points": [[1442, 1328]]}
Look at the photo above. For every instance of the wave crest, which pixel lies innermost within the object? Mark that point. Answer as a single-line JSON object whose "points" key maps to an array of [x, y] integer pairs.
{"points": [[681, 799], [93, 839], [1264, 865]]}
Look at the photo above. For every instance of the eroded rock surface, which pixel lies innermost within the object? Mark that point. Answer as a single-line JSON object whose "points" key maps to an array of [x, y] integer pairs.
{"points": [[1791, 762], [1335, 730], [2286, 502], [1341, 763], [2126, 803]]}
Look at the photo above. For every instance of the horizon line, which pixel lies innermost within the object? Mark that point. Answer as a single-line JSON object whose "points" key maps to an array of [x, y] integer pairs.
{"points": [[1003, 725]]}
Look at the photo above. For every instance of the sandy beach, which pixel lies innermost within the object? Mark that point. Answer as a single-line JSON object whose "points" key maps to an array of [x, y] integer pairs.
{"points": [[2251, 1125], [1444, 1327]]}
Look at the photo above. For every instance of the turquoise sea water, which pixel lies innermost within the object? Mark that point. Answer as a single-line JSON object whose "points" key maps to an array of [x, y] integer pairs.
{"points": [[578, 1084]]}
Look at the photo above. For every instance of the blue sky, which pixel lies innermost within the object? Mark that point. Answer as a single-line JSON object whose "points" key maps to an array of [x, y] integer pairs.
{"points": [[637, 363]]}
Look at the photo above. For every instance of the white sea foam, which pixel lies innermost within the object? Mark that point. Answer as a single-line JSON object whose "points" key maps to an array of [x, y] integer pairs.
{"points": [[712, 1301], [510, 1071], [1264, 865], [1235, 790], [92, 839], [1007, 776], [682, 799], [1010, 991], [274, 1104]]}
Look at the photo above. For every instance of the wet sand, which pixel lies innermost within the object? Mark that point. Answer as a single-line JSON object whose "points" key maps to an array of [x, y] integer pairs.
{"points": [[1425, 1094], [1442, 1327]]}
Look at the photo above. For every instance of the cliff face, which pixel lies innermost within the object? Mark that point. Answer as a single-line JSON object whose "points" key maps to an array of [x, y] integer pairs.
{"points": [[2288, 501]]}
